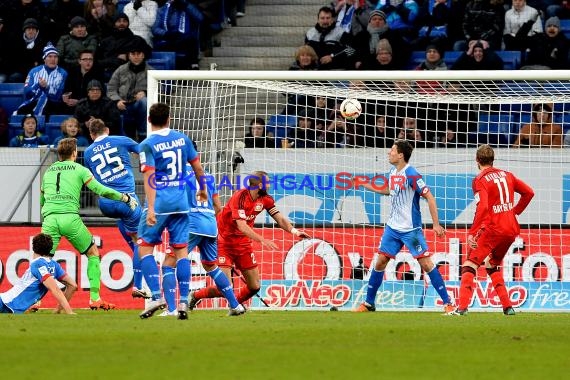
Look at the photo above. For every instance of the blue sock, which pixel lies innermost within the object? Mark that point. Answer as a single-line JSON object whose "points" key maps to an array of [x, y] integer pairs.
{"points": [[224, 286], [151, 275], [169, 287], [137, 272], [374, 283], [439, 285], [183, 277]]}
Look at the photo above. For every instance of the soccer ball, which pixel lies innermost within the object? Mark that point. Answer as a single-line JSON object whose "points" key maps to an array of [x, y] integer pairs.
{"points": [[350, 108]]}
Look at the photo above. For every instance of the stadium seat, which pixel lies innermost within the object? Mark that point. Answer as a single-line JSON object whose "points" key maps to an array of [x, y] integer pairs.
{"points": [[280, 125], [53, 125], [499, 129], [565, 27], [158, 63], [511, 59], [11, 96], [168, 56], [15, 124]]}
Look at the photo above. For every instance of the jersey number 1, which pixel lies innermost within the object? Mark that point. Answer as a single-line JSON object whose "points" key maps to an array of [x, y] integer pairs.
{"points": [[503, 187]]}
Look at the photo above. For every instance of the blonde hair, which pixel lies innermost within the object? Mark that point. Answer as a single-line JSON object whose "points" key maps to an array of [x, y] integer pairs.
{"points": [[306, 49], [68, 121]]}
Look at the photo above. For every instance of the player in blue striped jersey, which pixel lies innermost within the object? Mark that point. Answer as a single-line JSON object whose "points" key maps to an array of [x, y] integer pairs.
{"points": [[40, 277], [203, 234], [163, 158], [108, 158], [405, 186]]}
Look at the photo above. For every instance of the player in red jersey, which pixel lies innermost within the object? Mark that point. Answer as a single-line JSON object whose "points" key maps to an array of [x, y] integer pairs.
{"points": [[494, 228], [235, 236]]}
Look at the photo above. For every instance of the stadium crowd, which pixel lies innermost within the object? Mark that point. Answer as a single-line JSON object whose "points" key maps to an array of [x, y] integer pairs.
{"points": [[95, 55]]}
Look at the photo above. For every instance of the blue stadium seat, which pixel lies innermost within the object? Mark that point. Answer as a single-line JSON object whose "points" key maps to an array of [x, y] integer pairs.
{"points": [[158, 63], [168, 56], [11, 96], [511, 59], [565, 27], [53, 125], [280, 125], [499, 129], [15, 125]]}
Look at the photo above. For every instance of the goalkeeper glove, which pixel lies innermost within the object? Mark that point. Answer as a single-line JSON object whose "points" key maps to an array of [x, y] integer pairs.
{"points": [[132, 202]]}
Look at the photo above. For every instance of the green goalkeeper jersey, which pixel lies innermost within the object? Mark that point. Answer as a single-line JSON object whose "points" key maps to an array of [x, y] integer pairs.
{"points": [[62, 184]]}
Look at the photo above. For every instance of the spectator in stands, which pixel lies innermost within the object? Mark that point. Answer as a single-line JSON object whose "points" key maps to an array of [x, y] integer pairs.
{"points": [[434, 61], [330, 42], [18, 11], [44, 86], [479, 56], [305, 59], [384, 59], [70, 128], [541, 131], [567, 139], [78, 40], [558, 8], [60, 13], [449, 139], [142, 15], [97, 106], [401, 16], [345, 11], [176, 28], [28, 48], [100, 16], [380, 135], [355, 134], [482, 20], [522, 22], [366, 42], [78, 78], [30, 137], [305, 134], [127, 88], [414, 132], [335, 134], [257, 138], [549, 50], [113, 50], [433, 19]]}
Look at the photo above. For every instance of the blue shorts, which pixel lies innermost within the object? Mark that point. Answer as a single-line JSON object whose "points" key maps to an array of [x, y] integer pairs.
{"points": [[392, 242], [121, 210], [207, 245], [176, 224], [4, 308]]}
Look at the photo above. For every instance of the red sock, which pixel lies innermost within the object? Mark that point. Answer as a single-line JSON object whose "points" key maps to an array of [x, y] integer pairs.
{"points": [[499, 284], [466, 289], [209, 292], [243, 294]]}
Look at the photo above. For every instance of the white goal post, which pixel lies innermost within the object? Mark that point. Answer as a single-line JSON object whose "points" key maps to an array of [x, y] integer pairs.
{"points": [[309, 152]]}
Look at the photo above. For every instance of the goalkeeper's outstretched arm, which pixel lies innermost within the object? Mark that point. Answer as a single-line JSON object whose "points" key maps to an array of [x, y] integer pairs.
{"points": [[106, 192]]}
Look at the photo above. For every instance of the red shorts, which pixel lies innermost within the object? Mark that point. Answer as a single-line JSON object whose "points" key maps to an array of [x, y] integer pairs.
{"points": [[238, 253], [492, 245]]}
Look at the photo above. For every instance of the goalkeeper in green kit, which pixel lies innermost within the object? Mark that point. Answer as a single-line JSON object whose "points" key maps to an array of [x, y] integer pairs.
{"points": [[60, 195]]}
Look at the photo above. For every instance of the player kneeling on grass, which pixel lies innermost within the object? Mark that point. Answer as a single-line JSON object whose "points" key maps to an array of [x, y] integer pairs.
{"points": [[235, 227], [203, 234], [37, 280], [494, 227], [404, 227]]}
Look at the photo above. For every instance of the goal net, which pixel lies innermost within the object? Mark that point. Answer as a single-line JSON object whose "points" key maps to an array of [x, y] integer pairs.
{"points": [[310, 151]]}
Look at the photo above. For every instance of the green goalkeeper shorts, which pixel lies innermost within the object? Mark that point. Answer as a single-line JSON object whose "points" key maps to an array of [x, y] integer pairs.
{"points": [[71, 226]]}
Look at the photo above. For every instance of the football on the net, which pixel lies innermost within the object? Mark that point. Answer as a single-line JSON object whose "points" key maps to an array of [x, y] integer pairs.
{"points": [[350, 108]]}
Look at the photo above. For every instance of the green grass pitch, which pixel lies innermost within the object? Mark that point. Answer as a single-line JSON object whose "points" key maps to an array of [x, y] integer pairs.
{"points": [[266, 344]]}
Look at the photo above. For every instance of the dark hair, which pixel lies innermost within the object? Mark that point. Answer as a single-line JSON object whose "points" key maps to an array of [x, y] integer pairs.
{"points": [[327, 9], [158, 114], [29, 116], [66, 147], [541, 108], [404, 147], [485, 155], [42, 244], [257, 120], [256, 178]]}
